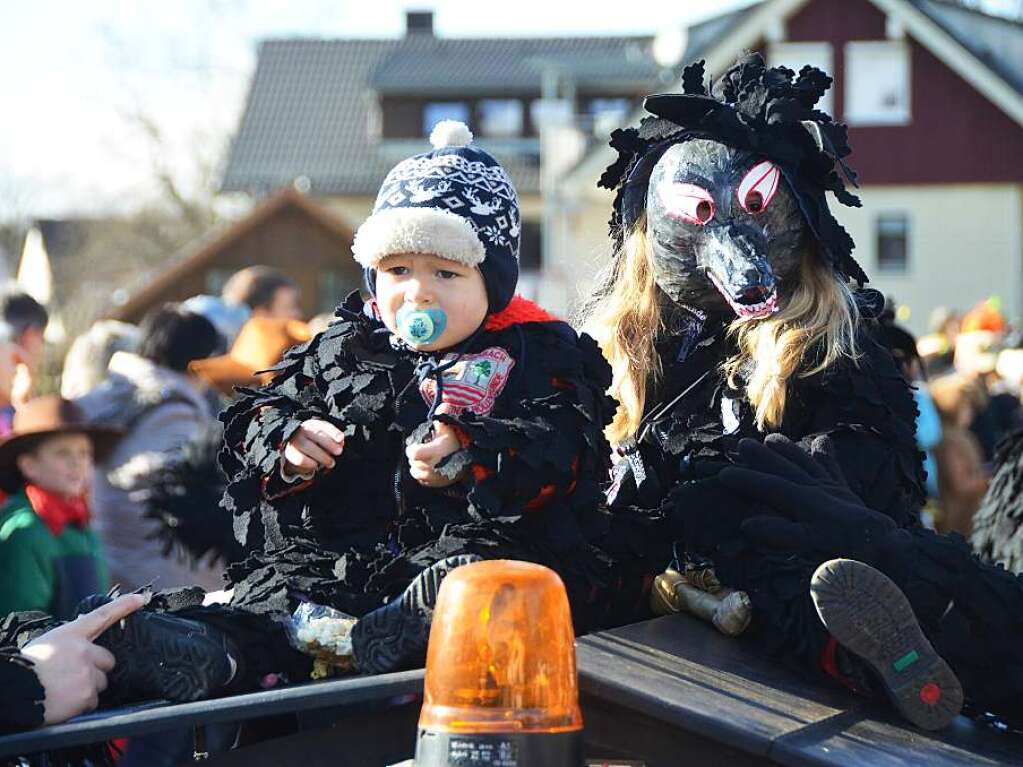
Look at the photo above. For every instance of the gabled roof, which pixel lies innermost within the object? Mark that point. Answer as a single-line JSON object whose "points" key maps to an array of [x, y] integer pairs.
{"points": [[312, 103], [199, 254], [994, 40], [985, 50], [424, 63]]}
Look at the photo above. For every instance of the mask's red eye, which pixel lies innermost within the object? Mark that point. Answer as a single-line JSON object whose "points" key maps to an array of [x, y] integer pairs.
{"points": [[757, 189], [688, 202]]}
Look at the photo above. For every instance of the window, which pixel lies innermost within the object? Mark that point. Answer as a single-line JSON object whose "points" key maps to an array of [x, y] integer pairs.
{"points": [[795, 56], [608, 114], [892, 234], [436, 111], [555, 113], [876, 83], [530, 250], [500, 117]]}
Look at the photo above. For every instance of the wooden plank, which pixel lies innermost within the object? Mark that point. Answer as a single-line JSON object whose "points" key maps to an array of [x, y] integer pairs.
{"points": [[683, 673], [881, 740]]}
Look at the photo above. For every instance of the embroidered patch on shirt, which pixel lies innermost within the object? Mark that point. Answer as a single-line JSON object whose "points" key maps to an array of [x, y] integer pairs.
{"points": [[474, 382]]}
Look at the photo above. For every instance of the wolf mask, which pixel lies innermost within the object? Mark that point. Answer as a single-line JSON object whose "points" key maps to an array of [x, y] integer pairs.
{"points": [[733, 185]]}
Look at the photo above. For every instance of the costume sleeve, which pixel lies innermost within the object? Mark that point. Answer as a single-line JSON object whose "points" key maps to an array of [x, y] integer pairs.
{"points": [[315, 380], [545, 440], [21, 705], [867, 409]]}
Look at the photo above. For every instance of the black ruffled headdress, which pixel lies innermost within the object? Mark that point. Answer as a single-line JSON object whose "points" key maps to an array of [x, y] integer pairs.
{"points": [[750, 107]]}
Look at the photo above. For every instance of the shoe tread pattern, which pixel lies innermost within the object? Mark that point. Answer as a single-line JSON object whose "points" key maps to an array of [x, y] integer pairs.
{"points": [[868, 615]]}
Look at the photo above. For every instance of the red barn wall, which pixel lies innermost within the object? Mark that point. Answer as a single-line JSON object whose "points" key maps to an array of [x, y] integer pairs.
{"points": [[955, 134]]}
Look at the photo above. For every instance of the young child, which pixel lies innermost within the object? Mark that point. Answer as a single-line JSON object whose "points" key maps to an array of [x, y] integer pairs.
{"points": [[49, 557], [442, 421]]}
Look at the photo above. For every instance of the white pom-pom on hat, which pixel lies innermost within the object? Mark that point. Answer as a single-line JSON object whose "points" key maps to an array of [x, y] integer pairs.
{"points": [[450, 133]]}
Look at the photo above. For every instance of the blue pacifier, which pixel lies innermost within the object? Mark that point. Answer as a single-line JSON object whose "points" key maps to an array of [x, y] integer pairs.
{"points": [[421, 326]]}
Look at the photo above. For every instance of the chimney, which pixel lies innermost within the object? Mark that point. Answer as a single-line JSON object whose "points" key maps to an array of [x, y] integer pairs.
{"points": [[418, 23]]}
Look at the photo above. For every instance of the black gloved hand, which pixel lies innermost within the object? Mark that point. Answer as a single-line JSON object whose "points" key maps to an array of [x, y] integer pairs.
{"points": [[816, 510]]}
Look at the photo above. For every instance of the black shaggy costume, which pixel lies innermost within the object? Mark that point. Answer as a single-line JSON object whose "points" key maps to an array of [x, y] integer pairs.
{"points": [[666, 487], [997, 535], [355, 536]]}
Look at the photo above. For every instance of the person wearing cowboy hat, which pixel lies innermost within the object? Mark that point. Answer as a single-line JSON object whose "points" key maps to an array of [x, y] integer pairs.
{"points": [[50, 558]]}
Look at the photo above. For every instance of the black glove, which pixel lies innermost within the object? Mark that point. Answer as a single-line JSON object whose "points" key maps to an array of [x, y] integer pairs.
{"points": [[816, 510]]}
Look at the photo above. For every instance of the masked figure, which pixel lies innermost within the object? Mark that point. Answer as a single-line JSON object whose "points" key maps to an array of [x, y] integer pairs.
{"points": [[733, 310]]}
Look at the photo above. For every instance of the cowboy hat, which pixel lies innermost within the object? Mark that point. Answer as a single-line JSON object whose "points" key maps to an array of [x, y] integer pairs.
{"points": [[260, 345], [42, 417]]}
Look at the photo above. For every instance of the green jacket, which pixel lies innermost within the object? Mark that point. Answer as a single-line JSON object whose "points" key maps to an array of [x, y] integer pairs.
{"points": [[42, 571]]}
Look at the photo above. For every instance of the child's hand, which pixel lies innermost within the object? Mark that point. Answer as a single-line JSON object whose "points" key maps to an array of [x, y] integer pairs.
{"points": [[313, 447], [424, 457]]}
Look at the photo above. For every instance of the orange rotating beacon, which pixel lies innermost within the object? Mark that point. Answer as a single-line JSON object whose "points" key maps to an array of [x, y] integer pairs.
{"points": [[501, 687]]}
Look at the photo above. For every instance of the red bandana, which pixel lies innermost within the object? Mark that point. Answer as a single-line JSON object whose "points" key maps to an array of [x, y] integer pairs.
{"points": [[56, 511]]}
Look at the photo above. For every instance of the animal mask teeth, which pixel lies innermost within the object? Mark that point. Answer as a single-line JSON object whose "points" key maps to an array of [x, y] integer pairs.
{"points": [[765, 308]]}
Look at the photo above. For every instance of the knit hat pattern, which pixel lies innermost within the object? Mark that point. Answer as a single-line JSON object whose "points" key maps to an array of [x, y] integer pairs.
{"points": [[456, 202]]}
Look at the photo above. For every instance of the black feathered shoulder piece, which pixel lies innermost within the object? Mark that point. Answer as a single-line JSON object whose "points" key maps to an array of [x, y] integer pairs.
{"points": [[767, 110]]}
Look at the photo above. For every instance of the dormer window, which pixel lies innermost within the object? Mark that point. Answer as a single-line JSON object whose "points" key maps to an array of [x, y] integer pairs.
{"points": [[877, 83], [435, 111], [500, 118]]}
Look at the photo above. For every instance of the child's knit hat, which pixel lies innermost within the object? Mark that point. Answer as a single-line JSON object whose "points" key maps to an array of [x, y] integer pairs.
{"points": [[456, 202]]}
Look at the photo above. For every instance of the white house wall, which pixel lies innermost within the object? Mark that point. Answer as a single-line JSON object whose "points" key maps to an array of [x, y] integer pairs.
{"points": [[964, 244]]}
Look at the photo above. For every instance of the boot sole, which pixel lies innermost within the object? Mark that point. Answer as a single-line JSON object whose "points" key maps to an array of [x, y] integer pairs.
{"points": [[156, 657], [871, 617]]}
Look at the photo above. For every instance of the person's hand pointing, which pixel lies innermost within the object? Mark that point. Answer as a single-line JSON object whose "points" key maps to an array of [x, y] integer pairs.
{"points": [[71, 669]]}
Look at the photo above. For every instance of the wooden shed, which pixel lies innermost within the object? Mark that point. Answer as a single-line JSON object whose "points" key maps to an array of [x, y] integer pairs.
{"points": [[287, 231]]}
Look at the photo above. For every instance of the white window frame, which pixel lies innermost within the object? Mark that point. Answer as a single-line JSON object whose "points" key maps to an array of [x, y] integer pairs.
{"points": [[853, 116], [797, 55]]}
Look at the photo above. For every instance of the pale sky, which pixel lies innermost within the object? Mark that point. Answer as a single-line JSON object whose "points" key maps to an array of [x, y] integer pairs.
{"points": [[74, 72]]}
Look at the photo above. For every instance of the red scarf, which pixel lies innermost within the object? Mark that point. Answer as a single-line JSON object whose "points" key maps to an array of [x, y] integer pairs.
{"points": [[56, 511]]}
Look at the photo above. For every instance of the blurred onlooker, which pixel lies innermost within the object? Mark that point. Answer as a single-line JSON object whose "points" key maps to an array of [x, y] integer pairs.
{"points": [[962, 477], [267, 292], [27, 320], [227, 318], [987, 316], [10, 358], [937, 347], [976, 358], [260, 345], [159, 406], [928, 422], [50, 559], [85, 365]]}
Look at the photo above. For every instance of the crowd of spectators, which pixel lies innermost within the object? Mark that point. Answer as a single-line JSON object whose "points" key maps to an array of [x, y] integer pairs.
{"points": [[77, 468], [968, 371]]}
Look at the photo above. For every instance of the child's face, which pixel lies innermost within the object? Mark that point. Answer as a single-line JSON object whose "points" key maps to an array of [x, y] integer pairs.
{"points": [[61, 464], [423, 281]]}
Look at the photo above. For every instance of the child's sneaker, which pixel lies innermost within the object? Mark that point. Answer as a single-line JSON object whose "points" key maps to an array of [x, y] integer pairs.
{"points": [[160, 655], [869, 616], [395, 636]]}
